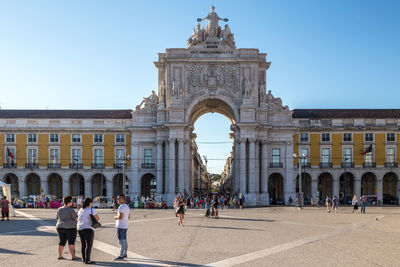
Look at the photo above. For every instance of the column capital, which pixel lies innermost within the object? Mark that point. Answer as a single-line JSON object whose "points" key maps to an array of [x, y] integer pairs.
{"points": [[242, 140], [159, 142], [264, 141], [252, 140], [181, 140], [172, 140]]}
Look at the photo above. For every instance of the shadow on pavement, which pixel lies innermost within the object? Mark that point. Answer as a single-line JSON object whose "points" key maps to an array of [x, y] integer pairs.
{"points": [[144, 262], [244, 219], [225, 228], [7, 251]]}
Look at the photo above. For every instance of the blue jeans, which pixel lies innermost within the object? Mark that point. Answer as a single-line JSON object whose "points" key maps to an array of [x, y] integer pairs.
{"points": [[363, 205], [122, 241]]}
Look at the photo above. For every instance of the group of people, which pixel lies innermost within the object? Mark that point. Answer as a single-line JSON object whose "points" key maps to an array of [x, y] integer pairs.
{"points": [[225, 201], [333, 203], [70, 223]]}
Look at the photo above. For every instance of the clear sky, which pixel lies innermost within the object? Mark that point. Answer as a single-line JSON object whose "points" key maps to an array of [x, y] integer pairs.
{"points": [[99, 54]]}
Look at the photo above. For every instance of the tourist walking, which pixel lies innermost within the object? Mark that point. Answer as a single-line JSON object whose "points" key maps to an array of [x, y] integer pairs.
{"points": [[85, 230], [241, 201], [328, 203], [121, 223], [355, 204], [181, 210], [66, 228], [214, 205], [363, 201], [335, 204], [5, 211]]}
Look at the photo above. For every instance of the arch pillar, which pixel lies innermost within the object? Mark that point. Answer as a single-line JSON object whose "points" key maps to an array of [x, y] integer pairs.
{"points": [[242, 166], [264, 174], [252, 173], [172, 173], [135, 180], [44, 186], [181, 166], [379, 187], [88, 187], [397, 187], [21, 187], [357, 186], [65, 187], [314, 187], [109, 185], [159, 167], [335, 185]]}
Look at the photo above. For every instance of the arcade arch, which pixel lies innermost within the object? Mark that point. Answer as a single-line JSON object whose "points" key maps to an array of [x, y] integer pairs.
{"points": [[389, 188], [33, 184], [12, 179], [325, 185], [118, 184], [346, 188], [276, 189], [99, 185], [148, 185], [55, 185], [77, 185], [368, 181], [306, 186]]}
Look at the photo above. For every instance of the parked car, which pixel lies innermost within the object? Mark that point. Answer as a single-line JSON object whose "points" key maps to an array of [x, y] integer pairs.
{"points": [[102, 202]]}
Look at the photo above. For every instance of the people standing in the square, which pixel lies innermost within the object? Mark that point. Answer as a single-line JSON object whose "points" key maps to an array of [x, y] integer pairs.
{"points": [[355, 204], [363, 201], [121, 223], [85, 229], [181, 210], [5, 211], [328, 203]]}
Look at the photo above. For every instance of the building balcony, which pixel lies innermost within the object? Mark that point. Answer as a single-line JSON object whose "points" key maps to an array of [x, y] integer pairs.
{"points": [[276, 165], [75, 165], [53, 165], [347, 164], [369, 164], [10, 165], [148, 165], [391, 164], [325, 165], [119, 165], [31, 165], [97, 165]]}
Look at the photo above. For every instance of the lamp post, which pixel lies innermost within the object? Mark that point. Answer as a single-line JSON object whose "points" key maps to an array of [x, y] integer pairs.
{"points": [[123, 173], [300, 157]]}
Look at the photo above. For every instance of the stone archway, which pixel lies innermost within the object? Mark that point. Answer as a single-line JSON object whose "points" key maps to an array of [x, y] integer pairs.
{"points": [[12, 179], [117, 184], [148, 185], [368, 183], [33, 186], [306, 186], [77, 185], [346, 188], [389, 188], [276, 189], [99, 185], [54, 181], [325, 182]]}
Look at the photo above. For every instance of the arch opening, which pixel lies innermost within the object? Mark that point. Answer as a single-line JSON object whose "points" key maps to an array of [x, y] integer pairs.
{"points": [[99, 185], [118, 184], [77, 185], [306, 186], [55, 185], [33, 184], [389, 189], [12, 179], [276, 189], [368, 181], [324, 185], [346, 188], [148, 185]]}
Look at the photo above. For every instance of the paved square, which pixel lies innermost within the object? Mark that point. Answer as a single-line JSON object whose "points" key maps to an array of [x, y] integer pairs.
{"points": [[273, 236]]}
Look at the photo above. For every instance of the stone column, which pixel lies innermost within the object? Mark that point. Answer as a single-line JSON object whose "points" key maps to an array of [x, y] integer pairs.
{"points": [[188, 167], [21, 188], [159, 167], [110, 188], [135, 161], [236, 183], [264, 173], [242, 168], [44, 185], [252, 180], [65, 188], [379, 186], [171, 163], [181, 164], [335, 186], [314, 188], [88, 188], [398, 187], [357, 186]]}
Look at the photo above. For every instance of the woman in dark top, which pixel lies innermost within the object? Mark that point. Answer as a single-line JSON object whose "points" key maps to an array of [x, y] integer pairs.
{"points": [[66, 228], [181, 210]]}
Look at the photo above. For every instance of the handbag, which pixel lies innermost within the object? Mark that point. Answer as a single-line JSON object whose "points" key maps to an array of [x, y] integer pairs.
{"points": [[95, 223]]}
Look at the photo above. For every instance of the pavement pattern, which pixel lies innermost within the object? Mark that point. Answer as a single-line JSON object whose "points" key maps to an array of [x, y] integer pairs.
{"points": [[272, 236]]}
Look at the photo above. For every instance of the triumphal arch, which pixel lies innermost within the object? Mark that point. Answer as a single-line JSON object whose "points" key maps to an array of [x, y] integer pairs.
{"points": [[212, 75]]}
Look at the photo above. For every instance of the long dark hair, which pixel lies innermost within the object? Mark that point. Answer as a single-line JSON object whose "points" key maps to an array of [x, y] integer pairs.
{"points": [[86, 202]]}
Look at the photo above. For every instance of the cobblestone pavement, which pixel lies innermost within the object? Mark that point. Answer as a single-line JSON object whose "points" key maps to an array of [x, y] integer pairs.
{"points": [[273, 236]]}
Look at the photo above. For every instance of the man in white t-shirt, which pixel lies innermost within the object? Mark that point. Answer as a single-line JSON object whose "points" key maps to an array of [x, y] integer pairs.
{"points": [[121, 223]]}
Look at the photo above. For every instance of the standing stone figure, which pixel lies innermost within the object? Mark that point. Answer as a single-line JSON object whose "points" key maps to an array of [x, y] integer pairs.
{"points": [[162, 91], [246, 89], [176, 89], [213, 30]]}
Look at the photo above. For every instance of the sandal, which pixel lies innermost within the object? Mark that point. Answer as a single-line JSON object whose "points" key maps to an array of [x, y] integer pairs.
{"points": [[60, 258], [76, 259]]}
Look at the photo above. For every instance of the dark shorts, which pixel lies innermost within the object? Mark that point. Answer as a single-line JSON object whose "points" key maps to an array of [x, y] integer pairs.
{"points": [[66, 234], [181, 210]]}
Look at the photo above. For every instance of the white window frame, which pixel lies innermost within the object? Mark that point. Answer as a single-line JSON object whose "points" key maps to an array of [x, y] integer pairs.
{"points": [[330, 137], [13, 135], [394, 134], [28, 158], [144, 155], [7, 158], [305, 160], [343, 155], [72, 155], [276, 156], [119, 142], [95, 157], [365, 137], [351, 137], [50, 156], [32, 142], [58, 138], [80, 138], [308, 137], [369, 157], [394, 155], [97, 142], [329, 156]]}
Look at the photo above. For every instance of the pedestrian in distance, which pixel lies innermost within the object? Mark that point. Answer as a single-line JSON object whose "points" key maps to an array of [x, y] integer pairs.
{"points": [[214, 205], [335, 204], [121, 223], [355, 204], [241, 201], [363, 201], [85, 229], [328, 203], [181, 210], [66, 228], [5, 211]]}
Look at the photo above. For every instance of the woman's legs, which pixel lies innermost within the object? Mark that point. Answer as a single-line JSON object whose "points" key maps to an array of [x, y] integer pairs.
{"points": [[87, 236], [83, 244], [181, 219], [60, 251]]}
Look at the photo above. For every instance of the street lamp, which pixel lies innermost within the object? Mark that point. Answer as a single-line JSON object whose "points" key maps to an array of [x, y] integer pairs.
{"points": [[300, 157], [345, 176], [123, 172]]}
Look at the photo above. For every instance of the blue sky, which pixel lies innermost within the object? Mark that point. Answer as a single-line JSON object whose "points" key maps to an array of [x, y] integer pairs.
{"points": [[99, 54]]}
